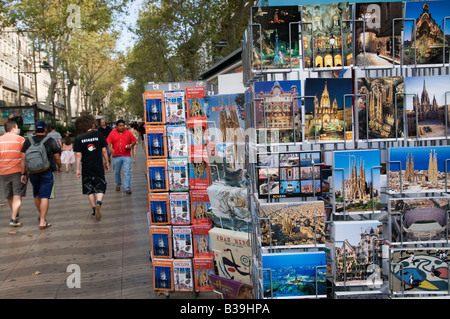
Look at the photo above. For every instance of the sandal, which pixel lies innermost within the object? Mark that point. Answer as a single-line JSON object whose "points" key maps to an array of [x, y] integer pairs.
{"points": [[47, 225]]}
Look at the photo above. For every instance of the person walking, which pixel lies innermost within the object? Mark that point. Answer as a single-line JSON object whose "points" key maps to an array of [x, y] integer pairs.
{"points": [[90, 152], [42, 182], [105, 130], [10, 169], [52, 133], [67, 154], [135, 132], [121, 141]]}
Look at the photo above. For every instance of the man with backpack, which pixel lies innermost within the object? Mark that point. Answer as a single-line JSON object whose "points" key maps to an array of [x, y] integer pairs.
{"points": [[40, 158]]}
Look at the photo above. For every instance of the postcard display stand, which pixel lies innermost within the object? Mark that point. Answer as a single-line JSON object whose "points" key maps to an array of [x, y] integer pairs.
{"points": [[198, 213], [348, 156], [177, 204]]}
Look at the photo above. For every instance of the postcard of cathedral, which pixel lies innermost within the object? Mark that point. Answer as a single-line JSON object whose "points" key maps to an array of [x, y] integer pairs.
{"points": [[163, 274], [327, 35], [157, 176], [357, 249], [278, 116], [158, 204], [161, 241], [156, 141], [415, 220], [293, 224], [423, 39], [357, 181], [417, 169], [426, 107], [374, 44], [380, 108], [419, 271], [154, 107], [294, 275], [329, 115], [275, 44]]}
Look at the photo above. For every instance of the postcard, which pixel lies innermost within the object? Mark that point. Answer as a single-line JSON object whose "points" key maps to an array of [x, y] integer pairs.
{"points": [[159, 208], [292, 224], [231, 289], [202, 241], [425, 104], [361, 238], [156, 141], [161, 241], [178, 174], [357, 180], [198, 138], [199, 173], [179, 208], [200, 207], [415, 220], [417, 169], [177, 141], [278, 115], [162, 274], [380, 107], [294, 275], [327, 35], [157, 175], [195, 104], [183, 275], [203, 268], [229, 207], [329, 115], [419, 271], [274, 46], [374, 44], [182, 242], [175, 106], [420, 46], [232, 254], [154, 107]]}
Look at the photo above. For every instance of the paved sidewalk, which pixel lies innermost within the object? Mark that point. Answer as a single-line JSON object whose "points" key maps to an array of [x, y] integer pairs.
{"points": [[112, 254]]}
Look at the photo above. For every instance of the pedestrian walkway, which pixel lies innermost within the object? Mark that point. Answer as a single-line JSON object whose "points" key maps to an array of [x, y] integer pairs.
{"points": [[112, 254]]}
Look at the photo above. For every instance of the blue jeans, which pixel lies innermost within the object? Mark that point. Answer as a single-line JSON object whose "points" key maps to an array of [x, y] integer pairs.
{"points": [[118, 162]]}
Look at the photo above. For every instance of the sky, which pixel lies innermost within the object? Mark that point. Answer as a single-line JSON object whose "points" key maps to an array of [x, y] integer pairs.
{"points": [[351, 231], [126, 40], [436, 87], [438, 10], [371, 159]]}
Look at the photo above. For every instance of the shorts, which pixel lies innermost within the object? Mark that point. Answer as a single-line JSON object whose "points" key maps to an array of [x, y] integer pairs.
{"points": [[42, 184], [93, 184], [13, 186]]}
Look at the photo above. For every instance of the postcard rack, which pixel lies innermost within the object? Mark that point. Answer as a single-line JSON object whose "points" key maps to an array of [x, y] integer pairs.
{"points": [[383, 180]]}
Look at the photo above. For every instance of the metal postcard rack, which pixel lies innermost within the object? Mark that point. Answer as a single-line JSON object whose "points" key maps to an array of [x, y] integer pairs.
{"points": [[382, 247]]}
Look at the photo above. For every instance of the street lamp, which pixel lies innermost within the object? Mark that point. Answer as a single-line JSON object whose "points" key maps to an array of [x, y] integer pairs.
{"points": [[332, 41]]}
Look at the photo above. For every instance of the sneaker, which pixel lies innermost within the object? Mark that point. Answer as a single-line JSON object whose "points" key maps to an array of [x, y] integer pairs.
{"points": [[15, 222], [98, 213]]}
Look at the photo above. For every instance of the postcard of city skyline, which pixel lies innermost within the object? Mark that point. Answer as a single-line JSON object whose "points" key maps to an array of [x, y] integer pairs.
{"points": [[346, 160], [421, 157]]}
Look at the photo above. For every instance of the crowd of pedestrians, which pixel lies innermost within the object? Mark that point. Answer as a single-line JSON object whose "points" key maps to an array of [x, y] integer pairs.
{"points": [[39, 156]]}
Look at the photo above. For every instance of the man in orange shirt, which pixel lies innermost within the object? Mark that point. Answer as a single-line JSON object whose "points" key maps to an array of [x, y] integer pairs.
{"points": [[121, 141], [10, 169]]}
